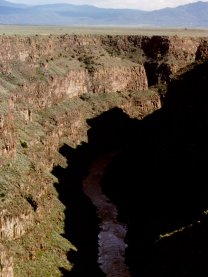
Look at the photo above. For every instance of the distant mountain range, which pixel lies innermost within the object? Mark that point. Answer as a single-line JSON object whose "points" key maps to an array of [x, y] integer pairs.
{"points": [[188, 16]]}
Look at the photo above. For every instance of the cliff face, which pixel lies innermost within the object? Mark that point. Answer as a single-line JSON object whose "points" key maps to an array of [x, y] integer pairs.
{"points": [[7, 132], [120, 78], [49, 86], [168, 55], [162, 56], [6, 262]]}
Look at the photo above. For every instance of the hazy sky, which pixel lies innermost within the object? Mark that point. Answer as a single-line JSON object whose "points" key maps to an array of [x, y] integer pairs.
{"points": [[133, 4]]}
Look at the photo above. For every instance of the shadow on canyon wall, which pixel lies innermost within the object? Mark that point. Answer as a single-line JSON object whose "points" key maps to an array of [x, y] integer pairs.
{"points": [[158, 181], [81, 224]]}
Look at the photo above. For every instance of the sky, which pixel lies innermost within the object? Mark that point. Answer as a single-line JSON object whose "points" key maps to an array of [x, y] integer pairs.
{"points": [[131, 4]]}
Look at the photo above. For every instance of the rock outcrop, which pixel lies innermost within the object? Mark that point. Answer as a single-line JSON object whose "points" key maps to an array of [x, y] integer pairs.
{"points": [[13, 227], [168, 55], [49, 86], [120, 78], [6, 263], [7, 131]]}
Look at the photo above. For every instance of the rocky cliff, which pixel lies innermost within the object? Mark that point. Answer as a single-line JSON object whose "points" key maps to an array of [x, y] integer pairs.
{"points": [[162, 56], [7, 131], [49, 86]]}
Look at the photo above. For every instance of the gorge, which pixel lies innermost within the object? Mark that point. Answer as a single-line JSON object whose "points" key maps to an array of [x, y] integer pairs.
{"points": [[134, 110]]}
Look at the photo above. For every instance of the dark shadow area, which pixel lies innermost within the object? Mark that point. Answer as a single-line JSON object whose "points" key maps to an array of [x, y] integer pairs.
{"points": [[81, 224], [158, 181]]}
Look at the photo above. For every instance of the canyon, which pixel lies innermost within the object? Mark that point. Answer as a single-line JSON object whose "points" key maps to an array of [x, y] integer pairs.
{"points": [[69, 101]]}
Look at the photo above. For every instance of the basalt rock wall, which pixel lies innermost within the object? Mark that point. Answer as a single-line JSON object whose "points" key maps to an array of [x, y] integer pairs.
{"points": [[49, 86]]}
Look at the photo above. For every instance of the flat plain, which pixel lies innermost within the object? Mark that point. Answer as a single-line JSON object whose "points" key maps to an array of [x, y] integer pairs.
{"points": [[99, 30]]}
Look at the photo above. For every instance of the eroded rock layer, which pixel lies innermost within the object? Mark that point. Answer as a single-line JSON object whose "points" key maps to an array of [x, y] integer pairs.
{"points": [[49, 86]]}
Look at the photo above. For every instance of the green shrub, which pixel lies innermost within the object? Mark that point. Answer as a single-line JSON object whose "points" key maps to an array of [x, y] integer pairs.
{"points": [[24, 144]]}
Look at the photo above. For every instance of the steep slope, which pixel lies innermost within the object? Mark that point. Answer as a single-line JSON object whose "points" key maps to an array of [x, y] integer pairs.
{"points": [[50, 86]]}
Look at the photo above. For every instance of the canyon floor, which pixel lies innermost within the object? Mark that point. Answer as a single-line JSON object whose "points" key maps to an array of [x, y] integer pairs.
{"points": [[103, 153]]}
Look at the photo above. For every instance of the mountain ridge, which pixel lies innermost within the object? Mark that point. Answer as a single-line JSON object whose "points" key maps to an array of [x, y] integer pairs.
{"points": [[189, 15]]}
